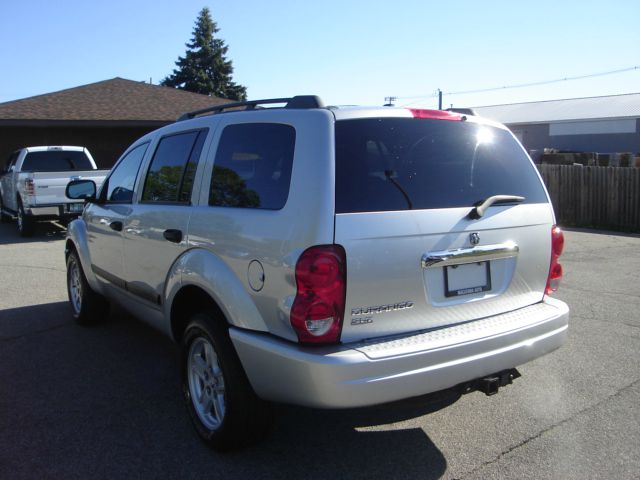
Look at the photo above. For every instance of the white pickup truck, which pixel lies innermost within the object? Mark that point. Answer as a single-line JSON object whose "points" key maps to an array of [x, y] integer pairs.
{"points": [[33, 181]]}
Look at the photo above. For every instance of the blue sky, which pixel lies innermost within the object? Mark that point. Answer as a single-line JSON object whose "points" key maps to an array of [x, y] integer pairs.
{"points": [[348, 52]]}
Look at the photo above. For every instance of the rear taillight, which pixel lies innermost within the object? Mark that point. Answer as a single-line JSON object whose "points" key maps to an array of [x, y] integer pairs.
{"points": [[435, 114], [555, 269], [318, 309], [29, 186]]}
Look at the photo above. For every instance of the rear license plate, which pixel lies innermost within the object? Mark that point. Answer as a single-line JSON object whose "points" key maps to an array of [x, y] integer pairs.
{"points": [[76, 207], [467, 279]]}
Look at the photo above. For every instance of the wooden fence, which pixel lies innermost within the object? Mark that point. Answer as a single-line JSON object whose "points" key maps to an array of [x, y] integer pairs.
{"points": [[598, 197]]}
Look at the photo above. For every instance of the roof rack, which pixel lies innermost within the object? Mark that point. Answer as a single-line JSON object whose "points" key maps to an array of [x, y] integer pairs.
{"points": [[297, 102]]}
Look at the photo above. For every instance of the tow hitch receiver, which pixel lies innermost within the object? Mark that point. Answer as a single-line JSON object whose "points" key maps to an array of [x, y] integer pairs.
{"points": [[490, 384]]}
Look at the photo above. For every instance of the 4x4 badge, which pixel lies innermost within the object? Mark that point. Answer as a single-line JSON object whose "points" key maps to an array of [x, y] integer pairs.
{"points": [[474, 238]]}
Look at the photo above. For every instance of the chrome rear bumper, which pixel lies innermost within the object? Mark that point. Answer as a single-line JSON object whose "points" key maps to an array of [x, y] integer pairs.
{"points": [[55, 211], [48, 211], [375, 372]]}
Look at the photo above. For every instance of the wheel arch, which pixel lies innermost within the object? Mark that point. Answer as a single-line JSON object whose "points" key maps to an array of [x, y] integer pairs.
{"points": [[188, 301], [77, 241], [202, 279]]}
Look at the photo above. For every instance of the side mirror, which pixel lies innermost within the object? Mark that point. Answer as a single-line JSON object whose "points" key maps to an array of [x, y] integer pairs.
{"points": [[81, 190]]}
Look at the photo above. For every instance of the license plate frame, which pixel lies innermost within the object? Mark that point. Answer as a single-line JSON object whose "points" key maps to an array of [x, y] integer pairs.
{"points": [[455, 285]]}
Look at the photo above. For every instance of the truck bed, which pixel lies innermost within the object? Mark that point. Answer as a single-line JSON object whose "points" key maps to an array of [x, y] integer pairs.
{"points": [[49, 187]]}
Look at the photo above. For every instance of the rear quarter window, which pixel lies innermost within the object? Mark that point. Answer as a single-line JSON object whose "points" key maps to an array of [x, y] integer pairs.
{"points": [[252, 167], [385, 164]]}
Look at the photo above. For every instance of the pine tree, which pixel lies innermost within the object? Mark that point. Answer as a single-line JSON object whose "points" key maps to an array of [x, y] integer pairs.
{"points": [[204, 68]]}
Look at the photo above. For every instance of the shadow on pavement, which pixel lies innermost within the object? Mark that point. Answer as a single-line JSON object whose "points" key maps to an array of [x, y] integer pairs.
{"points": [[44, 232], [104, 401], [33, 320]]}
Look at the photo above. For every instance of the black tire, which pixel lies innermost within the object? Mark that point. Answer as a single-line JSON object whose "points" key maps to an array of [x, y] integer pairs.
{"points": [[26, 225], [4, 218], [87, 306], [242, 418]]}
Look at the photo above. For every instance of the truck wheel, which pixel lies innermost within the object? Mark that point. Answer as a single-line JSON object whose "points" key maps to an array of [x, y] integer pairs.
{"points": [[26, 225], [224, 409], [87, 306], [4, 218]]}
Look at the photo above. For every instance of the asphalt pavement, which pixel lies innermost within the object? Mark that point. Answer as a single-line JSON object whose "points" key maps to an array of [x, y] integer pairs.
{"points": [[104, 401]]}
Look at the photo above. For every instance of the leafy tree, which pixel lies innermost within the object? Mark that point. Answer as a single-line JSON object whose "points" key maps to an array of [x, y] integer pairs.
{"points": [[162, 185], [204, 68], [229, 190]]}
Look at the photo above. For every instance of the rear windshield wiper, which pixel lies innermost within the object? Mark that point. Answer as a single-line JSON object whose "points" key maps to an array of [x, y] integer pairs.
{"points": [[390, 174], [481, 207]]}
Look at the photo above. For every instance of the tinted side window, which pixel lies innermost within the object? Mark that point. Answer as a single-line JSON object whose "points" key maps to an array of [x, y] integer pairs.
{"points": [[385, 164], [252, 168], [170, 176], [119, 185]]}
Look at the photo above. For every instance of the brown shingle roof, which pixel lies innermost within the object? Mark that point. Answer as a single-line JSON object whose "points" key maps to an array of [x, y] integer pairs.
{"points": [[117, 99]]}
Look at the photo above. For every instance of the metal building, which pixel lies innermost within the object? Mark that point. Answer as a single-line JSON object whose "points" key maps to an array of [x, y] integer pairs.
{"points": [[606, 124]]}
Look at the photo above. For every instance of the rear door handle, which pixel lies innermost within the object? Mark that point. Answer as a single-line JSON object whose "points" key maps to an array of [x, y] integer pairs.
{"points": [[173, 235], [117, 226]]}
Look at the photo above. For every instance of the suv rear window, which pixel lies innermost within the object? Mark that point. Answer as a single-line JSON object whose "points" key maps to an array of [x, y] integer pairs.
{"points": [[56, 161], [385, 164]]}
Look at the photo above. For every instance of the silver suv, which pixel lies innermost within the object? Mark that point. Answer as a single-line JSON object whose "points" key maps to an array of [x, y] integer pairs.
{"points": [[323, 256]]}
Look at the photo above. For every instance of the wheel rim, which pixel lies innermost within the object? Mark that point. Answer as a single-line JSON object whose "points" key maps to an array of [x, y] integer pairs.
{"points": [[20, 221], [206, 383], [75, 286]]}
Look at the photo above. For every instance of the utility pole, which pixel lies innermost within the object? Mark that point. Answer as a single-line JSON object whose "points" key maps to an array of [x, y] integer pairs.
{"points": [[439, 99], [389, 101]]}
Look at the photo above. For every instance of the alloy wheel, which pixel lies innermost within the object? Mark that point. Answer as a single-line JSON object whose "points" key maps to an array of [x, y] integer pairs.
{"points": [[75, 287], [20, 219], [206, 383]]}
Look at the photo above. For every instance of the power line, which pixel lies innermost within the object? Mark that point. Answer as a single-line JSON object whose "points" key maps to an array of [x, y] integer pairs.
{"points": [[523, 85], [546, 82]]}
